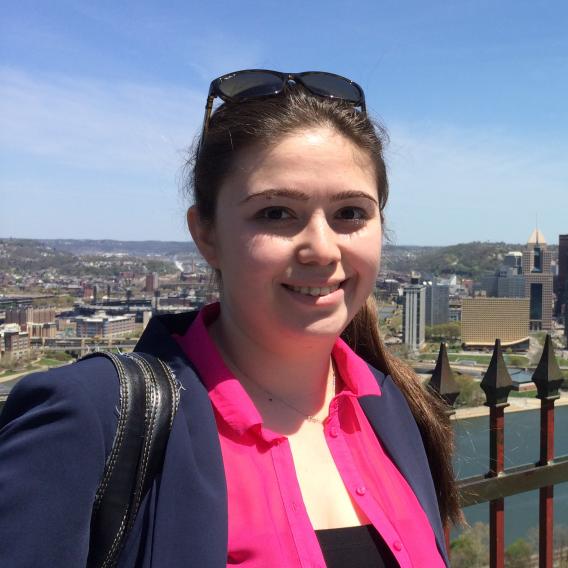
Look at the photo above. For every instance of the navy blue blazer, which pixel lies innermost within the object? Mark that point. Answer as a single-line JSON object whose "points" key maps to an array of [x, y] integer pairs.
{"points": [[58, 426]]}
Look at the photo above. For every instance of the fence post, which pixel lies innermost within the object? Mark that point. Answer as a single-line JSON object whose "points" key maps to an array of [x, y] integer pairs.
{"points": [[497, 384], [444, 385], [547, 378]]}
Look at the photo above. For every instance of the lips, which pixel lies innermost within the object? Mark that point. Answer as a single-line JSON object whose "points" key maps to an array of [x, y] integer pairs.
{"points": [[312, 290]]}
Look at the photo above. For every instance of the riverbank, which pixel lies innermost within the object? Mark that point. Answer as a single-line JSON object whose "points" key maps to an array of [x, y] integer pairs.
{"points": [[515, 405]]}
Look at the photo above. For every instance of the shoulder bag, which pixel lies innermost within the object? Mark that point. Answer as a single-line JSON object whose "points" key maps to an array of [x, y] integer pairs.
{"points": [[149, 398]]}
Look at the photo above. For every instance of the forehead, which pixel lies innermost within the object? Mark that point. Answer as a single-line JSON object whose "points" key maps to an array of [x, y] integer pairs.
{"points": [[314, 160]]}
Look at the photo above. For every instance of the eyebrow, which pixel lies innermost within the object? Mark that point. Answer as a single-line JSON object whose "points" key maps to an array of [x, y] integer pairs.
{"points": [[281, 192], [303, 196], [351, 194]]}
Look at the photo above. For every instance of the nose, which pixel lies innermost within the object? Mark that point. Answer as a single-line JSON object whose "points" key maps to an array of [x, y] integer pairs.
{"points": [[318, 243]]}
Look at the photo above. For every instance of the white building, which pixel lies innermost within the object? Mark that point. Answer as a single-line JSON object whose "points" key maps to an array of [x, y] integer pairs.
{"points": [[414, 315], [102, 325]]}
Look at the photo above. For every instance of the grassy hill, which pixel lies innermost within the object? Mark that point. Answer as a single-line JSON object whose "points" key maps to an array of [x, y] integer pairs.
{"points": [[466, 259]]}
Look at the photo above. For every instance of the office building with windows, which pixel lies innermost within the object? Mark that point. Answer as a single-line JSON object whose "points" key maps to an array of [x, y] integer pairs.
{"points": [[152, 282], [414, 315], [538, 277], [437, 303], [483, 320], [507, 281], [101, 325], [562, 279]]}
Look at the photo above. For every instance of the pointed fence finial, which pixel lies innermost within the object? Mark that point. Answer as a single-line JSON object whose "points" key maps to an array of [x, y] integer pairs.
{"points": [[443, 381], [497, 382], [547, 376]]}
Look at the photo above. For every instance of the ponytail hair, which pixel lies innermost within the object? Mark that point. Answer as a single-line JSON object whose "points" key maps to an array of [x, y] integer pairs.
{"points": [[429, 411]]}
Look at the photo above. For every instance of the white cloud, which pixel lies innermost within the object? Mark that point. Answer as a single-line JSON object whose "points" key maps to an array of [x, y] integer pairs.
{"points": [[448, 184], [95, 124]]}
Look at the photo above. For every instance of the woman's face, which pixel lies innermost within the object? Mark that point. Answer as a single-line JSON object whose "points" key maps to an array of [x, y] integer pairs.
{"points": [[297, 237]]}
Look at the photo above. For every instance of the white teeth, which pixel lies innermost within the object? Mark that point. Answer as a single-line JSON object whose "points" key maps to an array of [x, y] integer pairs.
{"points": [[314, 291]]}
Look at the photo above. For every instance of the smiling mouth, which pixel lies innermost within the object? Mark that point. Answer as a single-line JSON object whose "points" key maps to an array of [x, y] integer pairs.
{"points": [[314, 291]]}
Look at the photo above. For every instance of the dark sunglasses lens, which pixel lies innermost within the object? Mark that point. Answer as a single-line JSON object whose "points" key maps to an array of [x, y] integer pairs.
{"points": [[246, 85], [331, 86]]}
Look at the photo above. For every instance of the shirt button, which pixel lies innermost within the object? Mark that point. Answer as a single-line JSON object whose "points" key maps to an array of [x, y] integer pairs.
{"points": [[334, 432], [361, 490], [397, 545]]}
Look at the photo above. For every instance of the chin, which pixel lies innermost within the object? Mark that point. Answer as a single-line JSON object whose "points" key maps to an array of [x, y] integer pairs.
{"points": [[329, 328]]}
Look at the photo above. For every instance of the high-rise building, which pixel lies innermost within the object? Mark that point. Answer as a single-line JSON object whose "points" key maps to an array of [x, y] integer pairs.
{"points": [[562, 282], [483, 320], [437, 303], [514, 259], [489, 284], [507, 281], [537, 273], [13, 342], [152, 282], [414, 315], [30, 317], [510, 284]]}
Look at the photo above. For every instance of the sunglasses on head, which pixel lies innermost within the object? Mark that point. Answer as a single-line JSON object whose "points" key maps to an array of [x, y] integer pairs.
{"points": [[261, 83]]}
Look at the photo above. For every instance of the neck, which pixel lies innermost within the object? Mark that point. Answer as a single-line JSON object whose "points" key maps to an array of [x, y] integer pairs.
{"points": [[298, 371]]}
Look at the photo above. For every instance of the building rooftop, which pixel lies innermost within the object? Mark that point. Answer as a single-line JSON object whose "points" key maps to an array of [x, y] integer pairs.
{"points": [[536, 238]]}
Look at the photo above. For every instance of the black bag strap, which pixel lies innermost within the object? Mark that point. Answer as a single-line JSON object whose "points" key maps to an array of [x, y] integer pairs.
{"points": [[148, 402]]}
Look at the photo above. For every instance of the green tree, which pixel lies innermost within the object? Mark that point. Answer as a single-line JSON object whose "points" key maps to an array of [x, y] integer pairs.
{"points": [[58, 355], [471, 548], [450, 331], [516, 361], [470, 391], [518, 554]]}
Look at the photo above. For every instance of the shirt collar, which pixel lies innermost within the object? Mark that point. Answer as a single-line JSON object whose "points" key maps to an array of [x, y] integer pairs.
{"points": [[227, 395]]}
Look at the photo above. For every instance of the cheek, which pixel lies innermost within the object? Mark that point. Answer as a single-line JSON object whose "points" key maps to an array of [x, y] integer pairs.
{"points": [[265, 247], [368, 250], [251, 255]]}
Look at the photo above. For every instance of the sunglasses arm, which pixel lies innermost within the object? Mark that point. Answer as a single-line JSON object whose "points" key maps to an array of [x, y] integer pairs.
{"points": [[208, 109]]}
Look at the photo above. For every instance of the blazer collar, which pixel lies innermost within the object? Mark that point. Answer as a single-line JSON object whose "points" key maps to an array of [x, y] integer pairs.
{"points": [[393, 423]]}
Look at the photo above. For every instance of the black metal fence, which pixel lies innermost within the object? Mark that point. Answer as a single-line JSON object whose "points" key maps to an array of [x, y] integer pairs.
{"points": [[499, 483]]}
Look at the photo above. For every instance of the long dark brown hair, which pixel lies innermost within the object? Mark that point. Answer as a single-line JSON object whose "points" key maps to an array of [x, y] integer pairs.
{"points": [[234, 127]]}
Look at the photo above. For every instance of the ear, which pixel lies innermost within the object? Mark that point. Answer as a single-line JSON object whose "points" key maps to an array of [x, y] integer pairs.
{"points": [[203, 235]]}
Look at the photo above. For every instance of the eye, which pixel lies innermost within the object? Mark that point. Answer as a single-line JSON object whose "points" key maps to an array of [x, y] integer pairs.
{"points": [[274, 214], [352, 214]]}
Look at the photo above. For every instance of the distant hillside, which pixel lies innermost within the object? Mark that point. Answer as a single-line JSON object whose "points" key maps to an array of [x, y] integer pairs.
{"points": [[467, 259], [107, 257], [132, 248], [26, 256]]}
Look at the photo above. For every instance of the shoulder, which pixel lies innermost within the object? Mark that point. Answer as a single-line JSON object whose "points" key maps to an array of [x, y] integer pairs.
{"points": [[85, 392], [387, 385], [56, 430], [391, 405]]}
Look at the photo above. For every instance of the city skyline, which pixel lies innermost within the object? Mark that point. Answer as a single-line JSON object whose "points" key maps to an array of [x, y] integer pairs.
{"points": [[99, 103]]}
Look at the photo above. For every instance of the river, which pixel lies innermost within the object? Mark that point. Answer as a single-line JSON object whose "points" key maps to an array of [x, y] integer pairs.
{"points": [[522, 431]]}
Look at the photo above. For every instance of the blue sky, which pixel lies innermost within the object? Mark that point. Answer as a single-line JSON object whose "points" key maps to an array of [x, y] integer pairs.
{"points": [[100, 100]]}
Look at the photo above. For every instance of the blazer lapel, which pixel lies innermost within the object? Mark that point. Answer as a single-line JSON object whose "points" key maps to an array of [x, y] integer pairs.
{"points": [[393, 423]]}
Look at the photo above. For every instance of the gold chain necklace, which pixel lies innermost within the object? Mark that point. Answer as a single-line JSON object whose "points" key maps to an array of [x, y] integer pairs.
{"points": [[309, 417]]}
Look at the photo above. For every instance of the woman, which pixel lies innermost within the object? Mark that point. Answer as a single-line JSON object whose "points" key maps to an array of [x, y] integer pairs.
{"points": [[287, 448]]}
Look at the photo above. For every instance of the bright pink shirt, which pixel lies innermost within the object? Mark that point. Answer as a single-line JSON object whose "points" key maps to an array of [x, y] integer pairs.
{"points": [[268, 523]]}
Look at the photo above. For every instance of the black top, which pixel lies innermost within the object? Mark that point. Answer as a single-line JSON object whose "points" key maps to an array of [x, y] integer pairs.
{"points": [[355, 547]]}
